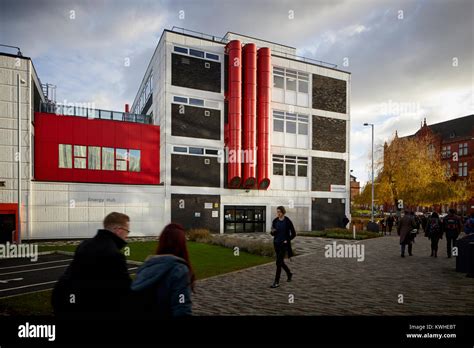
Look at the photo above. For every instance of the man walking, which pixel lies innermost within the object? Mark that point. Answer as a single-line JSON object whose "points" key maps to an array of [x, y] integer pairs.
{"points": [[97, 280], [452, 227], [405, 227]]}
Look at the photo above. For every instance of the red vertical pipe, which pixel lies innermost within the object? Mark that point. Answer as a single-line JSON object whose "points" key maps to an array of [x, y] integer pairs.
{"points": [[264, 68], [234, 118], [127, 108], [249, 115]]}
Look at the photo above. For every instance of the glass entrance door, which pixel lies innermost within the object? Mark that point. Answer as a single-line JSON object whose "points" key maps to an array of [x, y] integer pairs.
{"points": [[240, 219]]}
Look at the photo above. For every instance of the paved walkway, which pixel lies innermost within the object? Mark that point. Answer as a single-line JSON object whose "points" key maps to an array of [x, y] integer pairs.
{"points": [[343, 286]]}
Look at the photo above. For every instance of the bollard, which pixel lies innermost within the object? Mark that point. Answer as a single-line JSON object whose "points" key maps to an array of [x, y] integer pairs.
{"points": [[353, 232]]}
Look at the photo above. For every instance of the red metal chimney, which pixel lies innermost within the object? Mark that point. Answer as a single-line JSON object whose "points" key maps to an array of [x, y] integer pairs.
{"points": [[127, 108], [234, 99], [249, 115], [264, 68]]}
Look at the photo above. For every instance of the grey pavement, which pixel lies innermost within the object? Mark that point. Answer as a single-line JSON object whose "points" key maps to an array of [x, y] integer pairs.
{"points": [[344, 286]]}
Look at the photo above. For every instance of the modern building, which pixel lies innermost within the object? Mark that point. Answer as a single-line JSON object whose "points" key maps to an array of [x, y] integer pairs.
{"points": [[355, 188], [221, 132]]}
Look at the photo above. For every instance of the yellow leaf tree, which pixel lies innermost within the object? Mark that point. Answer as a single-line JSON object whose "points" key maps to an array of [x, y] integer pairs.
{"points": [[410, 169]]}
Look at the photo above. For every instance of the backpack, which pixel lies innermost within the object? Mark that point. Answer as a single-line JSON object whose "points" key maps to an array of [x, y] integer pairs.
{"points": [[434, 228]]}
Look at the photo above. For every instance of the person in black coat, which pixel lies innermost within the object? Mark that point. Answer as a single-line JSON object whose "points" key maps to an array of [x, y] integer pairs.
{"points": [[283, 233], [434, 232], [97, 280]]}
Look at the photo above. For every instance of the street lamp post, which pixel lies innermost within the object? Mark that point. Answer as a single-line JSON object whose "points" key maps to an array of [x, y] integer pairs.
{"points": [[373, 184]]}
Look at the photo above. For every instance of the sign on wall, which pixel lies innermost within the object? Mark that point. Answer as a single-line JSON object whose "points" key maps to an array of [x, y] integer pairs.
{"points": [[338, 188]]}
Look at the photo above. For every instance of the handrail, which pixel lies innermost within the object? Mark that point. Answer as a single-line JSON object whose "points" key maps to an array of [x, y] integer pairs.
{"points": [[224, 40], [83, 111]]}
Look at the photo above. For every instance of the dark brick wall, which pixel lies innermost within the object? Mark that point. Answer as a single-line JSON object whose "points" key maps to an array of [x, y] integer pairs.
{"points": [[194, 123], [329, 94], [187, 170], [191, 72], [326, 215], [195, 204], [329, 134], [327, 172]]}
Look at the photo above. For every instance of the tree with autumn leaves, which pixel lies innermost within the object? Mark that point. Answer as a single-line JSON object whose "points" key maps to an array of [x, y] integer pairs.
{"points": [[410, 169]]}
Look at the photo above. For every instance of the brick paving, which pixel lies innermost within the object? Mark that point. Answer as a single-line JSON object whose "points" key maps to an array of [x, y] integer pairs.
{"points": [[338, 286]]}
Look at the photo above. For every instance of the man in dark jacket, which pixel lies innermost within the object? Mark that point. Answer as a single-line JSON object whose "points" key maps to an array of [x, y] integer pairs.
{"points": [[97, 280], [283, 233], [452, 227], [404, 229]]}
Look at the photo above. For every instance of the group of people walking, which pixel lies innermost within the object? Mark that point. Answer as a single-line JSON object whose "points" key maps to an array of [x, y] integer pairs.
{"points": [[434, 228], [97, 280]]}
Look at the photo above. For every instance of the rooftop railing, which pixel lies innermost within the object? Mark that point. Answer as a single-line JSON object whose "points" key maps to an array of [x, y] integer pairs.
{"points": [[278, 53], [92, 113]]}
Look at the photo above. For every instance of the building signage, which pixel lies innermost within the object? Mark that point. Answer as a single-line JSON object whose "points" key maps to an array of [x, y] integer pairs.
{"points": [[338, 188], [215, 213], [207, 205]]}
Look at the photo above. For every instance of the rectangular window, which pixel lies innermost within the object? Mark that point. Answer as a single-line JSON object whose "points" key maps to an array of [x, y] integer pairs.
{"points": [[302, 166], [212, 56], [65, 156], [134, 165], [462, 169], [108, 158], [121, 157], [196, 53], [196, 150], [180, 149], [93, 159], [290, 84], [80, 153], [303, 128], [180, 49], [291, 127], [278, 82], [212, 152], [290, 169], [180, 99], [463, 149], [302, 86], [197, 102], [277, 168]]}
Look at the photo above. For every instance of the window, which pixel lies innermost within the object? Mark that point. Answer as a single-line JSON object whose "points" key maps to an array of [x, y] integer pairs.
{"points": [[180, 49], [196, 150], [212, 56], [212, 152], [197, 102], [108, 158], [302, 166], [80, 153], [65, 156], [278, 163], [278, 121], [293, 85], [463, 149], [290, 165], [134, 165], [180, 99], [448, 170], [462, 169], [446, 151], [294, 122], [196, 53], [121, 157], [180, 149], [93, 159]]}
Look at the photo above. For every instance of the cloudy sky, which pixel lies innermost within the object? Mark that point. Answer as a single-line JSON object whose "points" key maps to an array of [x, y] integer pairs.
{"points": [[408, 59]]}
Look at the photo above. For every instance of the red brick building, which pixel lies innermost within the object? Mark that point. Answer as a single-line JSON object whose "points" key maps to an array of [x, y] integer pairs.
{"points": [[454, 139]]}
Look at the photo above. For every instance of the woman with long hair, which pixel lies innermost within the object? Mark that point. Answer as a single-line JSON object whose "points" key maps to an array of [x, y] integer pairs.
{"points": [[163, 285]]}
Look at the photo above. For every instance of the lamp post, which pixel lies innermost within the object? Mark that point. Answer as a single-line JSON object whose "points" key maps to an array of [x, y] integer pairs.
{"points": [[372, 210], [19, 82]]}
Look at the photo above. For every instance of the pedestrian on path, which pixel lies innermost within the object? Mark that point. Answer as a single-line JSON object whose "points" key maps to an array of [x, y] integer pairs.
{"points": [[405, 227], [434, 232], [283, 233], [390, 222], [469, 225], [163, 286], [96, 283], [452, 228]]}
